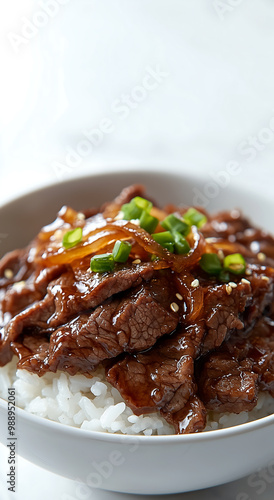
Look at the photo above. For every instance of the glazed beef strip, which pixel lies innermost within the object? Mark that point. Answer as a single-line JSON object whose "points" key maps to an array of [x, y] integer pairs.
{"points": [[131, 322], [229, 379]]}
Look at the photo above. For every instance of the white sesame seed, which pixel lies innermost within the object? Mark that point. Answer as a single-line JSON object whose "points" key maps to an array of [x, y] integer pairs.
{"points": [[221, 254], [174, 307], [19, 285], [8, 273], [119, 216], [210, 240], [248, 272], [265, 278], [58, 235], [136, 261], [244, 281], [81, 216], [136, 222], [232, 284], [195, 283], [179, 296], [228, 289], [261, 256]]}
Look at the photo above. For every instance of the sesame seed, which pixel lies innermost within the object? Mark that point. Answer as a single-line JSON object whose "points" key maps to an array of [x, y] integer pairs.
{"points": [[8, 273], [179, 296], [174, 307], [221, 254], [246, 282], [136, 222], [232, 284], [81, 216], [248, 272], [136, 261], [195, 283], [228, 289], [58, 235], [19, 285], [119, 216], [261, 256], [210, 240], [265, 278]]}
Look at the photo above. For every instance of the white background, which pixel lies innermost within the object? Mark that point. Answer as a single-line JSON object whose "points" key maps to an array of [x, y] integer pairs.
{"points": [[63, 73]]}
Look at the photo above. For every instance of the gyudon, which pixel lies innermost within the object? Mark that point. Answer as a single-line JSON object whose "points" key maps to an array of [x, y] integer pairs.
{"points": [[174, 304]]}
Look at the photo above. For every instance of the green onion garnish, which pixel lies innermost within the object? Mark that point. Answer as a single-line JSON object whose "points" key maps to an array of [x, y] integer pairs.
{"points": [[210, 263], [131, 211], [181, 245], [165, 239], [173, 223], [134, 209], [148, 222], [121, 251], [235, 263], [142, 203], [195, 218], [102, 263], [72, 237], [224, 276]]}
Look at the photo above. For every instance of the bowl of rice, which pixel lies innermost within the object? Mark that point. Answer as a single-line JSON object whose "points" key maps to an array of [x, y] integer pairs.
{"points": [[81, 427]]}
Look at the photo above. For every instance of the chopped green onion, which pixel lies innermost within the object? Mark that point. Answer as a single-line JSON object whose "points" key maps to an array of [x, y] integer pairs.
{"points": [[131, 211], [181, 245], [224, 276], [148, 222], [169, 246], [72, 237], [142, 203], [173, 223], [121, 251], [195, 218], [235, 263], [102, 263], [165, 239], [135, 207], [210, 263]]}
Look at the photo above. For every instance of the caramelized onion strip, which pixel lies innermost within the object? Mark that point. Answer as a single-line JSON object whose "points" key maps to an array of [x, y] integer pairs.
{"points": [[107, 231]]}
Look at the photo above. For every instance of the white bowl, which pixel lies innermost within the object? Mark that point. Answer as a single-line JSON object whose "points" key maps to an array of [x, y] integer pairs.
{"points": [[134, 464]]}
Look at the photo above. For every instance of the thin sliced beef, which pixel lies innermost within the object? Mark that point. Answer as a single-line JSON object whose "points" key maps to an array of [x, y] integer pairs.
{"points": [[230, 378], [132, 322], [227, 308], [70, 294], [191, 418], [161, 378]]}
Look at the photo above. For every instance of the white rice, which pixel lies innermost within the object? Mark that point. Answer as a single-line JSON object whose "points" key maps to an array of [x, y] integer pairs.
{"points": [[93, 404]]}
